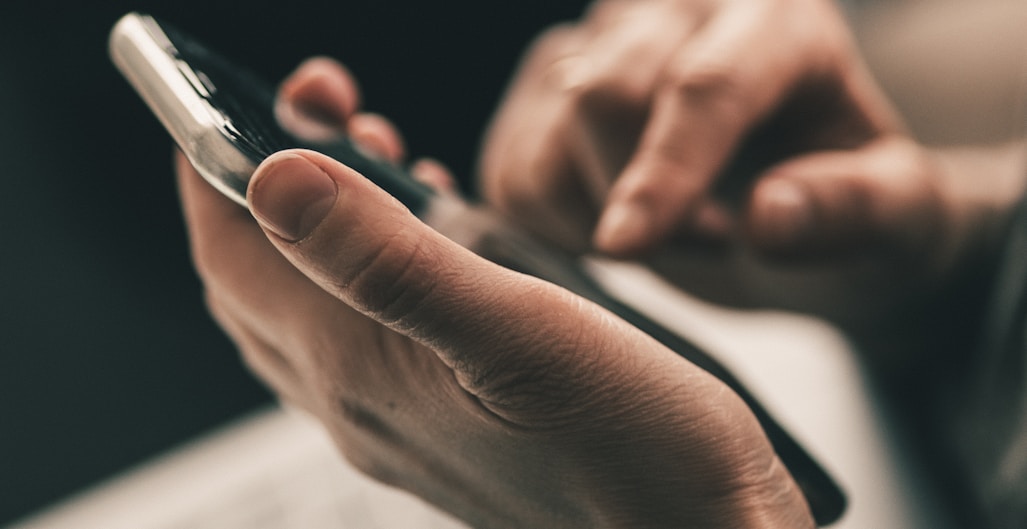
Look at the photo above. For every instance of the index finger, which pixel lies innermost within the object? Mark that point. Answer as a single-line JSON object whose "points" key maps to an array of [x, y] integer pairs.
{"points": [[735, 71]]}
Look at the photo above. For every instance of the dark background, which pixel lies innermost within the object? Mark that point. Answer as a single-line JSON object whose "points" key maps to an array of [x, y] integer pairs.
{"points": [[107, 355]]}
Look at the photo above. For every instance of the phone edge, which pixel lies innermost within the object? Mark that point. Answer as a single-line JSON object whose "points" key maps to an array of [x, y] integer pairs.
{"points": [[136, 49]]}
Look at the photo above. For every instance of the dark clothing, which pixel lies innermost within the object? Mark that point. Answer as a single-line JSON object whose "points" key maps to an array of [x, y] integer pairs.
{"points": [[988, 429]]}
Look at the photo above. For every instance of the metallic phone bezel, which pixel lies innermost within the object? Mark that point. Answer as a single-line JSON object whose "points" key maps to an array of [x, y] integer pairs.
{"points": [[181, 101]]}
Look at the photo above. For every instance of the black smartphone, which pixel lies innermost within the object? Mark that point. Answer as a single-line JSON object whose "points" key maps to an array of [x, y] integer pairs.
{"points": [[225, 121]]}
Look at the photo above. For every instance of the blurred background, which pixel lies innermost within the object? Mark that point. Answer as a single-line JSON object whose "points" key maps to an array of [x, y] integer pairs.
{"points": [[107, 356]]}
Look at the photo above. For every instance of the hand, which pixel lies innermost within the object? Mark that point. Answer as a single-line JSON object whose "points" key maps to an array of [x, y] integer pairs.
{"points": [[624, 132], [500, 398]]}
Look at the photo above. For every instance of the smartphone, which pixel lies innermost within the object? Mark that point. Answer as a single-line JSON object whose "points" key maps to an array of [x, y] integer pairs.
{"points": [[225, 121]]}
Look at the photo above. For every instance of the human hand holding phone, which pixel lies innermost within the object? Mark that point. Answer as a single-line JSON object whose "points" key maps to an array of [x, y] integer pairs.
{"points": [[499, 397]]}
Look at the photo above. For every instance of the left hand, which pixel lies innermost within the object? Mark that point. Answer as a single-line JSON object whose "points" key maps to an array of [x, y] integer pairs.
{"points": [[502, 399], [620, 128]]}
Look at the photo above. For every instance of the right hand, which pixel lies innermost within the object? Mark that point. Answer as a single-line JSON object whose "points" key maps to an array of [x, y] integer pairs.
{"points": [[500, 398], [618, 128]]}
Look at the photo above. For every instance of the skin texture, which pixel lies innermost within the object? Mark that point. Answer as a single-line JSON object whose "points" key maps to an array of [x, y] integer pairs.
{"points": [[743, 150], [502, 399]]}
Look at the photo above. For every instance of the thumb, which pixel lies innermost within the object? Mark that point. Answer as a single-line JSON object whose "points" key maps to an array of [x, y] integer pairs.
{"points": [[358, 242], [879, 198], [495, 328]]}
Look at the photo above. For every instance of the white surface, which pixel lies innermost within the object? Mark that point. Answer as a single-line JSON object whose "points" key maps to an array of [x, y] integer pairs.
{"points": [[277, 469], [807, 376], [274, 469]]}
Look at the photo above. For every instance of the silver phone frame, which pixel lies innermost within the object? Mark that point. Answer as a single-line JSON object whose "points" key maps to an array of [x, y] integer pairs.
{"points": [[146, 57]]}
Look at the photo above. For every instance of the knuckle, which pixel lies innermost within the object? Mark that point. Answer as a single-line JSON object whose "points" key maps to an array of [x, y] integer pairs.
{"points": [[607, 13], [704, 76], [608, 94], [556, 34], [393, 282], [552, 43], [710, 80]]}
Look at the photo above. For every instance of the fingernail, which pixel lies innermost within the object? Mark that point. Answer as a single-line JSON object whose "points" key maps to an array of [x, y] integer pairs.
{"points": [[783, 213], [621, 226], [290, 196], [318, 112], [432, 174], [317, 97]]}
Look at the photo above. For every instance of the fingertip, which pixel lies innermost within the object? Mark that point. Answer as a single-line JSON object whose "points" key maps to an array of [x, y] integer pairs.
{"points": [[433, 174], [629, 224], [781, 216], [290, 195], [322, 89], [624, 229], [378, 135], [649, 204]]}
